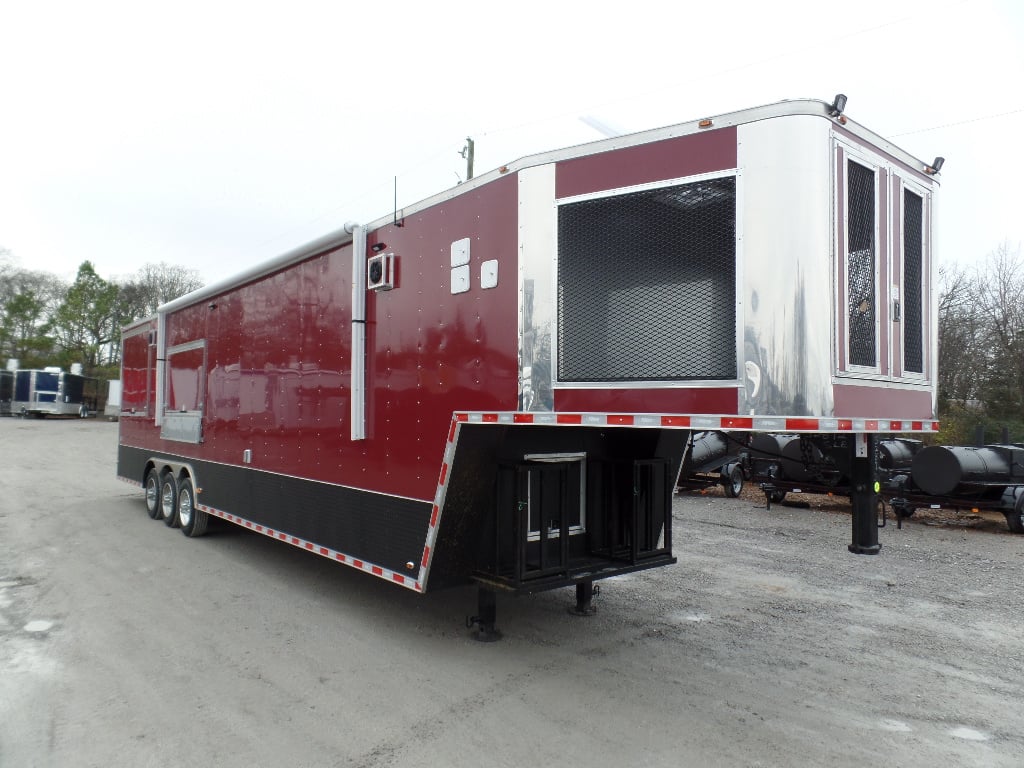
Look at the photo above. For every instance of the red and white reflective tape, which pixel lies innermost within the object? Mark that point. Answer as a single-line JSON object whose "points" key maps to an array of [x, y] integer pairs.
{"points": [[439, 496], [316, 549], [780, 424], [647, 421], [703, 421]]}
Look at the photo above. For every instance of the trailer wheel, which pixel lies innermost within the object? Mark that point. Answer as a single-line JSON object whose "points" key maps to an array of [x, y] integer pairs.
{"points": [[169, 500], [903, 511], [193, 521], [733, 482], [777, 496], [151, 485], [1015, 519]]}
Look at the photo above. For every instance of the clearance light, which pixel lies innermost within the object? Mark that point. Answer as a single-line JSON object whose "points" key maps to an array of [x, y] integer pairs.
{"points": [[935, 167], [705, 124]]}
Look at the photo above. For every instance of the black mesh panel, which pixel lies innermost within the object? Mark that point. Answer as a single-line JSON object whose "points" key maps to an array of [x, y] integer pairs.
{"points": [[647, 285], [860, 263], [913, 251]]}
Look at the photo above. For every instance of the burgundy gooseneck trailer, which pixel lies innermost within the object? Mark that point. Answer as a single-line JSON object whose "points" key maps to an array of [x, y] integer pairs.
{"points": [[496, 385]]}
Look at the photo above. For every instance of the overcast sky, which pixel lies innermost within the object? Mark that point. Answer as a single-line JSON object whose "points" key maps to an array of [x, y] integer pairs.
{"points": [[215, 135]]}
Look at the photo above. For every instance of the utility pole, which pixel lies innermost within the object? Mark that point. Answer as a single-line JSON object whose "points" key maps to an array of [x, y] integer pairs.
{"points": [[467, 153]]}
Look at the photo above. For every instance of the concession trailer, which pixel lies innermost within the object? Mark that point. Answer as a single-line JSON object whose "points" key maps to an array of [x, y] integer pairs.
{"points": [[55, 392], [497, 385]]}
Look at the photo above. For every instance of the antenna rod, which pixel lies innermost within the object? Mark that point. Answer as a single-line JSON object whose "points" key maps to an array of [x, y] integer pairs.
{"points": [[397, 223]]}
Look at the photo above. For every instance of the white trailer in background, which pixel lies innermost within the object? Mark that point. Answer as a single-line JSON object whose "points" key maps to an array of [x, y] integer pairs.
{"points": [[113, 407]]}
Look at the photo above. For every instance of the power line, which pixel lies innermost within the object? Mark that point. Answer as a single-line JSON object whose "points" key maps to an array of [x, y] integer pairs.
{"points": [[959, 122]]}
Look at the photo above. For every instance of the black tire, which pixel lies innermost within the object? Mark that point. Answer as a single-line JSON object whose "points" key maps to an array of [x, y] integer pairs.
{"points": [[193, 521], [904, 512], [1015, 519], [151, 486], [169, 500], [733, 482], [777, 497]]}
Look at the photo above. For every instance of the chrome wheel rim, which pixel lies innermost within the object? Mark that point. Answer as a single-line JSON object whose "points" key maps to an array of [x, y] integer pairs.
{"points": [[185, 507], [152, 494], [167, 499]]}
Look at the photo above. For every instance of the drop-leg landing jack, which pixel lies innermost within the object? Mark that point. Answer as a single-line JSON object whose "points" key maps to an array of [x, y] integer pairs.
{"points": [[585, 594], [487, 613], [864, 496]]}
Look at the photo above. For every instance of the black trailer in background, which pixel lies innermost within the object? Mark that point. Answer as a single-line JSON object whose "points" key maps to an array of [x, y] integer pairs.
{"points": [[53, 392], [6, 392]]}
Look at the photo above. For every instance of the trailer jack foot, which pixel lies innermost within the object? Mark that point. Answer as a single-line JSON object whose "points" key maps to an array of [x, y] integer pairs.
{"points": [[585, 593], [487, 612]]}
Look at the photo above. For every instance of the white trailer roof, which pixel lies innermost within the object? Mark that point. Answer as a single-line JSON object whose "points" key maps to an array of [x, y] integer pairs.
{"points": [[343, 235]]}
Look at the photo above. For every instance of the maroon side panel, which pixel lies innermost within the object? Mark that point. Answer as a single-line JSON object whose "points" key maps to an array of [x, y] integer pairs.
{"points": [[668, 159], [915, 172], [136, 373], [855, 401], [187, 325], [431, 352], [723, 400], [278, 355], [138, 389]]}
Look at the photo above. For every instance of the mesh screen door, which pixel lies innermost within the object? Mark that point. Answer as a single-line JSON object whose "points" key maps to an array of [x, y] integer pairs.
{"points": [[647, 285], [913, 258], [860, 264]]}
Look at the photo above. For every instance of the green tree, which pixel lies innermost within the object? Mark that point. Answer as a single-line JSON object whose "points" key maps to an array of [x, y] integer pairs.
{"points": [[28, 301], [85, 324], [26, 329]]}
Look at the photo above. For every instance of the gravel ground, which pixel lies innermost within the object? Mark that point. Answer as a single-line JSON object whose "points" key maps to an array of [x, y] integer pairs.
{"points": [[122, 643]]}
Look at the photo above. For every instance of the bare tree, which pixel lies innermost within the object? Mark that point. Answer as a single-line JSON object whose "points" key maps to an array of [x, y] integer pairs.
{"points": [[153, 285], [961, 336], [1000, 298]]}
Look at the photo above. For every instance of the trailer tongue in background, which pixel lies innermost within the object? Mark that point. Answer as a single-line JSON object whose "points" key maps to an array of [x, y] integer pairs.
{"points": [[497, 385]]}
